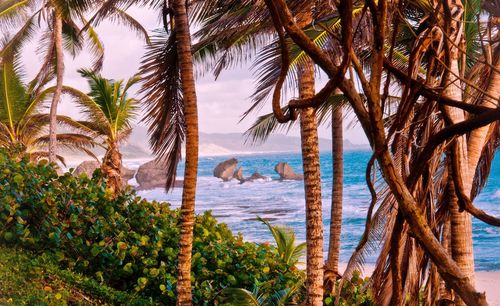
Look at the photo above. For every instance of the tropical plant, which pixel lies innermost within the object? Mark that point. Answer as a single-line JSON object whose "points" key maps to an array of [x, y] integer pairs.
{"points": [[109, 111], [23, 126], [63, 25], [262, 294], [284, 237], [126, 242], [394, 164]]}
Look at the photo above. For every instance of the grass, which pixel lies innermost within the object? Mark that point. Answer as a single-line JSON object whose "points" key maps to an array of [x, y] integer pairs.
{"points": [[27, 279]]}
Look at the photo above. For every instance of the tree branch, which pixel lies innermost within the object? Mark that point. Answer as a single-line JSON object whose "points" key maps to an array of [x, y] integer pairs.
{"points": [[430, 93]]}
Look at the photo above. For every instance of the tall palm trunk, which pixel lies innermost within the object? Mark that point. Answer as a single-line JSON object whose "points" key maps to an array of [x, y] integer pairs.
{"points": [[184, 296], [111, 167], [461, 222], [59, 86], [477, 138], [312, 187], [332, 263]]}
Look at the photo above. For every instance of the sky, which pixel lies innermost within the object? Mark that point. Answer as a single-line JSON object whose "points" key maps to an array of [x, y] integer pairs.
{"points": [[220, 103]]}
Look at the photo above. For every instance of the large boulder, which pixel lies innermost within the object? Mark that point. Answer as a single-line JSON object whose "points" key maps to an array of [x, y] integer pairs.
{"points": [[286, 172], [153, 174], [89, 166], [238, 174], [226, 169], [256, 176], [127, 174]]}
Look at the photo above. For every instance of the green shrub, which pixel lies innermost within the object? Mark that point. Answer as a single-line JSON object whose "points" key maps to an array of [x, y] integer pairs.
{"points": [[126, 242], [357, 291]]}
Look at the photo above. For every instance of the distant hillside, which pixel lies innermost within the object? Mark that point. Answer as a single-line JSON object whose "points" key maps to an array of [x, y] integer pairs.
{"points": [[275, 143], [137, 146], [235, 142]]}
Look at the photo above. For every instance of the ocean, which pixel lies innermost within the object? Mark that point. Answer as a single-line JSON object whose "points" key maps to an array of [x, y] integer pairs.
{"points": [[282, 202]]}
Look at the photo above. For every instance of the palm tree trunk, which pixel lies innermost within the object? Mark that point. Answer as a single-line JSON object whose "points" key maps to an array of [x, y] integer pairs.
{"points": [[59, 86], [111, 168], [461, 222], [332, 263], [477, 138], [444, 291], [312, 186], [184, 296]]}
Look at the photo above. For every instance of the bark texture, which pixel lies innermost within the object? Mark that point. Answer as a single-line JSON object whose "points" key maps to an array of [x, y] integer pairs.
{"points": [[312, 188], [337, 191], [184, 295], [461, 222], [59, 86], [111, 168]]}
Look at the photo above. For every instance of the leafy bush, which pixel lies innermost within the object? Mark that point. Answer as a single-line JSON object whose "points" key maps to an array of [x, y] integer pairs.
{"points": [[126, 242], [26, 279], [354, 292]]}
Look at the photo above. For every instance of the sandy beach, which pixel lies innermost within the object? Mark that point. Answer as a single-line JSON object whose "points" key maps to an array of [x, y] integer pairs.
{"points": [[486, 281]]}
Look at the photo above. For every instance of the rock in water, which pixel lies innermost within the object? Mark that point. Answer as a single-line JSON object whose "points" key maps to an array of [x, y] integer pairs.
{"points": [[89, 166], [286, 172], [226, 169], [256, 176], [152, 174], [127, 174], [238, 174]]}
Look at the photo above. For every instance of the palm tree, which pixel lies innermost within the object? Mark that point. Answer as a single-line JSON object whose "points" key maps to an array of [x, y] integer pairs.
{"points": [[63, 26], [109, 113], [284, 238], [21, 123], [183, 37], [332, 262], [60, 30]]}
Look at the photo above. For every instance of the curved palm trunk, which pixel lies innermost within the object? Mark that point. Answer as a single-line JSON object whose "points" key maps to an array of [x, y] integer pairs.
{"points": [[111, 167], [332, 263], [312, 187], [184, 296], [461, 222], [477, 138], [59, 86]]}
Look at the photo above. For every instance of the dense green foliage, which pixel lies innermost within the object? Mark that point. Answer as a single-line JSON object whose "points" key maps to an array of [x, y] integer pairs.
{"points": [[27, 279], [125, 242], [357, 291]]}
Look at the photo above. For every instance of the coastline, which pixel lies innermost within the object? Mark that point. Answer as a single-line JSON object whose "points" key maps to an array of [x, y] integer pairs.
{"points": [[486, 281]]}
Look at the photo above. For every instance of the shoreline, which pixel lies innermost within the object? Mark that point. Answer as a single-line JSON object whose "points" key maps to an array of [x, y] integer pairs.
{"points": [[486, 281]]}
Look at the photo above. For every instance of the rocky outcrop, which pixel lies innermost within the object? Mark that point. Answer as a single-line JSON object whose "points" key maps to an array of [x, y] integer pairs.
{"points": [[151, 175], [238, 174], [226, 169], [286, 172], [127, 174], [256, 176], [89, 166]]}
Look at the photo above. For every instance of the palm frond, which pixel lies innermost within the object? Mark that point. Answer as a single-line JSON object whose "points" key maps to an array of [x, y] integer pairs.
{"points": [[72, 41], [240, 296], [13, 95], [88, 106], [264, 126], [121, 17], [162, 96], [96, 48], [22, 36], [13, 12]]}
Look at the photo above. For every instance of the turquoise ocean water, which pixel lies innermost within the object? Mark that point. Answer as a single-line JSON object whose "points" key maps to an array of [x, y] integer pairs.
{"points": [[283, 201]]}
